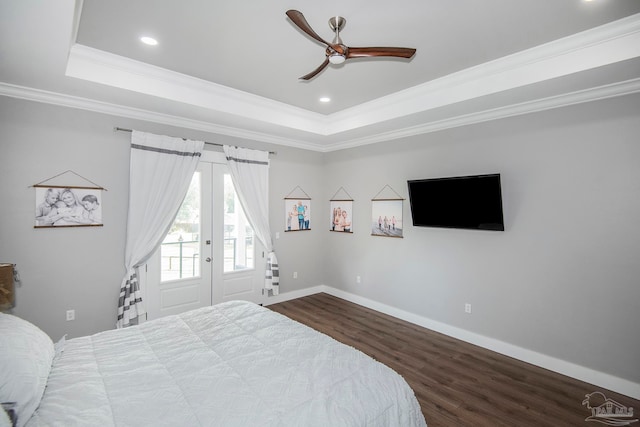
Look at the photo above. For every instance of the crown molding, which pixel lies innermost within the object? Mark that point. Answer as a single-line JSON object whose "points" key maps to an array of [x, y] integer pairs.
{"points": [[603, 45], [69, 101], [600, 46], [573, 98], [117, 71], [593, 48], [559, 101]]}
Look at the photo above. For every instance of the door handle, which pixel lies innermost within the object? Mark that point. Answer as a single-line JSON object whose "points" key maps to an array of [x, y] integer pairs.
{"points": [[208, 259]]}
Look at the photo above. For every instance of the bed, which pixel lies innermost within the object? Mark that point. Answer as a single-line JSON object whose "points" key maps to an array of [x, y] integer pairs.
{"points": [[231, 364]]}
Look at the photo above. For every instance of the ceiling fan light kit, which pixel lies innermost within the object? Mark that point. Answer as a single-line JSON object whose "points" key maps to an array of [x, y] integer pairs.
{"points": [[336, 58], [337, 52]]}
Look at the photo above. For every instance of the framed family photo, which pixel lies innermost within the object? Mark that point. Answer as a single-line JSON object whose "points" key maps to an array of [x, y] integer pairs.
{"points": [[297, 214], [67, 207], [341, 216], [386, 217]]}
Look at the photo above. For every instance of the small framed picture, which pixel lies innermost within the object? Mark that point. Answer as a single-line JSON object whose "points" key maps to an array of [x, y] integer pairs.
{"points": [[341, 216], [68, 207], [297, 213], [386, 218]]}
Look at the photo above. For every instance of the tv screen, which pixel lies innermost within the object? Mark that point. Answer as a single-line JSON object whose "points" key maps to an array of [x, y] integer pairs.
{"points": [[471, 202]]}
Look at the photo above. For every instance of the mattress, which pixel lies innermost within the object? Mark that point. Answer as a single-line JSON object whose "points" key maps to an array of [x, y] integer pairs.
{"points": [[231, 364]]}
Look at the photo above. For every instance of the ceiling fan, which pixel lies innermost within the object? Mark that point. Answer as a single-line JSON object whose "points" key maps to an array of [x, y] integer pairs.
{"points": [[337, 52]]}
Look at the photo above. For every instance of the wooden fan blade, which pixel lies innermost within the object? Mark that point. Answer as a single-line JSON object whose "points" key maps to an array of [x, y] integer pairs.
{"points": [[363, 52], [316, 71], [298, 19]]}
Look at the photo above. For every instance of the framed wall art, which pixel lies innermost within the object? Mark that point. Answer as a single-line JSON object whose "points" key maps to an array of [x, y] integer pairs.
{"points": [[67, 206], [341, 212], [297, 212], [386, 215]]}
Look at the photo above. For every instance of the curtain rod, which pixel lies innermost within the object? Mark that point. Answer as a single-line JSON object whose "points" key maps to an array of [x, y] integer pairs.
{"points": [[117, 129]]}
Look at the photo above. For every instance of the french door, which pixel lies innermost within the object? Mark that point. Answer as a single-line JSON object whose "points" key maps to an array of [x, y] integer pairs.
{"points": [[210, 254]]}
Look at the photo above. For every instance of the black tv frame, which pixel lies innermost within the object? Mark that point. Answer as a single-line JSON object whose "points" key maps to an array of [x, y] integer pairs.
{"points": [[485, 209]]}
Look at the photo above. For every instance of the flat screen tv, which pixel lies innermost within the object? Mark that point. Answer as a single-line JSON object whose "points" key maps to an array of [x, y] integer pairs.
{"points": [[470, 202]]}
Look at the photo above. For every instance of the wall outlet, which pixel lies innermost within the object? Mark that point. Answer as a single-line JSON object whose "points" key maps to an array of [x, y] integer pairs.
{"points": [[467, 308], [358, 279], [295, 274], [71, 315]]}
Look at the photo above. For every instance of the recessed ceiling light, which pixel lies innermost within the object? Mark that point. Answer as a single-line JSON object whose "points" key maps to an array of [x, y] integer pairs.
{"points": [[149, 40], [325, 99]]}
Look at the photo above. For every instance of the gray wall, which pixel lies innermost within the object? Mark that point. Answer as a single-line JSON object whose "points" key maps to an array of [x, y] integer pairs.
{"points": [[563, 278], [78, 268], [81, 268]]}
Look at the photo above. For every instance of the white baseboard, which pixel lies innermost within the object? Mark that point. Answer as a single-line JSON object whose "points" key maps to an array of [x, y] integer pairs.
{"points": [[286, 296], [563, 367]]}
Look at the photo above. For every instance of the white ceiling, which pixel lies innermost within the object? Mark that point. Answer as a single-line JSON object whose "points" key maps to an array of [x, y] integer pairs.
{"points": [[232, 67]]}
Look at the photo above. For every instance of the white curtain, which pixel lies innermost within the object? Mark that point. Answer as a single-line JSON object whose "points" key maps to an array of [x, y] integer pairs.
{"points": [[250, 174], [161, 169]]}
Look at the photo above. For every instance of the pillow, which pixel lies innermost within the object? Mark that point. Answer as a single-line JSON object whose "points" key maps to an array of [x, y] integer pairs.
{"points": [[26, 354]]}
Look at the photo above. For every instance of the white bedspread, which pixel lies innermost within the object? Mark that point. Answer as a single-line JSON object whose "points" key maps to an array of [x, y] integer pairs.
{"points": [[233, 364]]}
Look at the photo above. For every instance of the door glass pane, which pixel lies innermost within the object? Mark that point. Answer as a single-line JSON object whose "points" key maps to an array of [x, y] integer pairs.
{"points": [[180, 249], [238, 234]]}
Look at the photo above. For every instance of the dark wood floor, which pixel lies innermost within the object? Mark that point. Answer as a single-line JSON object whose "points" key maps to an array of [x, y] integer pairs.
{"points": [[456, 383]]}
